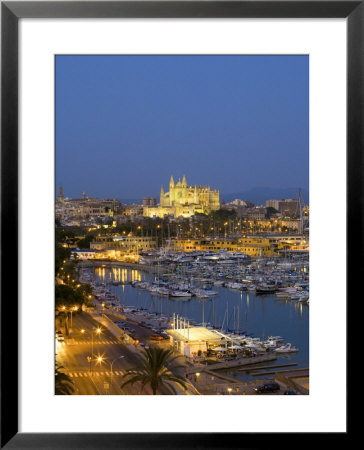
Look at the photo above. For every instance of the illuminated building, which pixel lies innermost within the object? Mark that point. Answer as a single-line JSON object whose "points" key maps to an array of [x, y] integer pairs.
{"points": [[254, 247], [124, 243], [184, 201]]}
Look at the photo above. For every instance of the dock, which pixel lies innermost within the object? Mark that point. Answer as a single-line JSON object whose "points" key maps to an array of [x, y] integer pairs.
{"points": [[267, 367], [235, 363], [280, 371]]}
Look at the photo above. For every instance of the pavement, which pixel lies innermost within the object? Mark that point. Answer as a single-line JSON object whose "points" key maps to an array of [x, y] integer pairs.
{"points": [[212, 383], [93, 378]]}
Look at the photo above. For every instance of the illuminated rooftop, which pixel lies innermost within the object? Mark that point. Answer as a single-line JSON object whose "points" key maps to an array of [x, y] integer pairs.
{"points": [[196, 334]]}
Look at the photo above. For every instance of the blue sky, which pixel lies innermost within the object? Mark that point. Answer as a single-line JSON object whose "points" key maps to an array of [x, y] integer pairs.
{"points": [[124, 124]]}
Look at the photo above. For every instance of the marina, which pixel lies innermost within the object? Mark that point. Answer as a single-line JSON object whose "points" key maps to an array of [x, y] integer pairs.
{"points": [[189, 295]]}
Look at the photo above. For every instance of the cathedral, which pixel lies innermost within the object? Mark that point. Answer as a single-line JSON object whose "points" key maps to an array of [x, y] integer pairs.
{"points": [[184, 201]]}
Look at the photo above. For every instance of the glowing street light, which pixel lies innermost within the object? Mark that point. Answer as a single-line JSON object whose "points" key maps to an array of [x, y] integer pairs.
{"points": [[75, 308], [101, 359], [97, 331]]}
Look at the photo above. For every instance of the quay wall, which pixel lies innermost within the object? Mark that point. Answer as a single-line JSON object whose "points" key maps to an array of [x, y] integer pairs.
{"points": [[235, 363]]}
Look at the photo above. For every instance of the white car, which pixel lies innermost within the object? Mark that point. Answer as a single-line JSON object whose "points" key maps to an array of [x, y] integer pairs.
{"points": [[59, 337]]}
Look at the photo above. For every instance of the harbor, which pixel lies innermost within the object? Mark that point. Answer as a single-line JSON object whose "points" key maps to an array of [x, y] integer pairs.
{"points": [[175, 299]]}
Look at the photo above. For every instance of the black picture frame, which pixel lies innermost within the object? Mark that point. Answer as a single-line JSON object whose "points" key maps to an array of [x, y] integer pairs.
{"points": [[11, 12]]}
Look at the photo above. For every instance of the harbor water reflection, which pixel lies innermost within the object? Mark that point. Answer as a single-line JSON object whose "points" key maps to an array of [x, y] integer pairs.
{"points": [[229, 310]]}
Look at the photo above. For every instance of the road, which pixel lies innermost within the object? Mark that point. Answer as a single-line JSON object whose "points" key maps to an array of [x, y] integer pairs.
{"points": [[92, 377]]}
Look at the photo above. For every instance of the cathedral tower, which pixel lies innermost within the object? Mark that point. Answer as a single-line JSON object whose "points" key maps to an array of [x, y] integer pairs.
{"points": [[171, 191]]}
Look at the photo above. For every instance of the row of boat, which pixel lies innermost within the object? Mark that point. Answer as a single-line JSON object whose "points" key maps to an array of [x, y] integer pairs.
{"points": [[179, 290], [178, 285], [183, 290]]}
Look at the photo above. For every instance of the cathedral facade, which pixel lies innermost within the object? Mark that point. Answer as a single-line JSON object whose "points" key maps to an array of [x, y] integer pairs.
{"points": [[184, 201]]}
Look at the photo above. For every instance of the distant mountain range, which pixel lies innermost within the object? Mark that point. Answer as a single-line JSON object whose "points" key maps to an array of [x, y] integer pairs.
{"points": [[259, 195]]}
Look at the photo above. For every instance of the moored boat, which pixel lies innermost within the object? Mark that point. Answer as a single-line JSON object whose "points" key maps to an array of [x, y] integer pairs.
{"points": [[287, 348]]}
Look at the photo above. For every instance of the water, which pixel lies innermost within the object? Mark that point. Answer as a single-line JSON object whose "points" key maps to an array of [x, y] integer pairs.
{"points": [[260, 315]]}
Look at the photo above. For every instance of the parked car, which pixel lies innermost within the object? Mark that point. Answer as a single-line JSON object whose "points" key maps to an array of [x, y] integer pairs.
{"points": [[59, 336], [155, 337], [267, 387]]}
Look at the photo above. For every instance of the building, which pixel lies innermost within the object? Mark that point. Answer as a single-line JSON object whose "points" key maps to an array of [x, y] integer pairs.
{"points": [[190, 341], [252, 246], [122, 248], [79, 253], [288, 207], [149, 201], [257, 213], [272, 204], [60, 197], [68, 209], [184, 201], [127, 244], [237, 205]]}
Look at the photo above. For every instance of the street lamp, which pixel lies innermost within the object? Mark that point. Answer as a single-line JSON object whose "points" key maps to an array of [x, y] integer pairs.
{"points": [[101, 359], [75, 308], [97, 331]]}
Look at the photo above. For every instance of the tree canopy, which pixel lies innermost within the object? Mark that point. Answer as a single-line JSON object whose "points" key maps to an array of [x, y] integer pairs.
{"points": [[152, 369]]}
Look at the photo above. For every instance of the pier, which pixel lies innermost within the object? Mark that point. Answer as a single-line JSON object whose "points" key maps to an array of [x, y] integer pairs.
{"points": [[267, 367], [235, 363]]}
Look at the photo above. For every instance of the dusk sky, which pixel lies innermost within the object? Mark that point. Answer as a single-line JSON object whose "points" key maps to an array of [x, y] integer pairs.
{"points": [[124, 124]]}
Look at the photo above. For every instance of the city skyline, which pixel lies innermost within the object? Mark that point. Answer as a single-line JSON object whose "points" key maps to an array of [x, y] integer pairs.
{"points": [[124, 124], [258, 195]]}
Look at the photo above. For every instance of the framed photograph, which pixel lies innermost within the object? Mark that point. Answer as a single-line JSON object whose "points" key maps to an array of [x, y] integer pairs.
{"points": [[180, 193]]}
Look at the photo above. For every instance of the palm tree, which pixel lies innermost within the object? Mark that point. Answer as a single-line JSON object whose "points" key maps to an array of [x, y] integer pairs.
{"points": [[152, 369], [63, 383]]}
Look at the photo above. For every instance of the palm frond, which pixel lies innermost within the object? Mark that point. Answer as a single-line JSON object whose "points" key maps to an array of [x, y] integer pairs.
{"points": [[154, 367], [63, 383]]}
